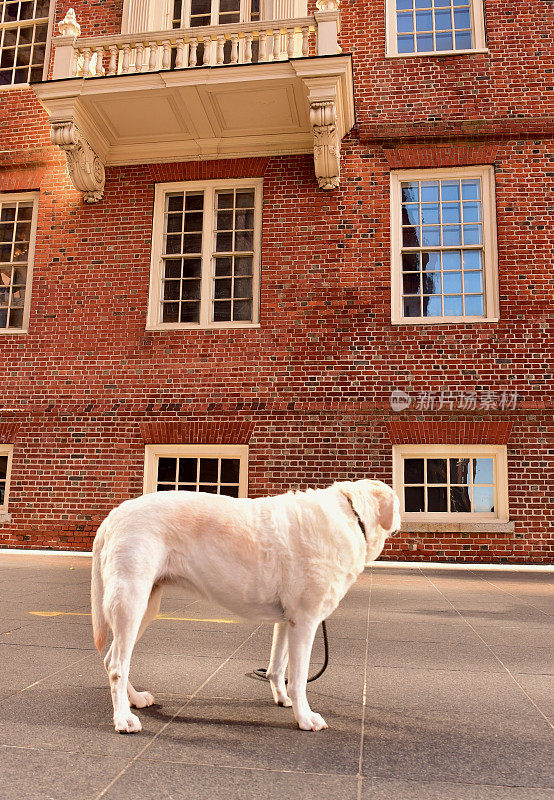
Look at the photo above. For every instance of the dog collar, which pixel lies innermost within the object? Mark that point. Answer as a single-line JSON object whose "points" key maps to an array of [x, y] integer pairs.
{"points": [[360, 523]]}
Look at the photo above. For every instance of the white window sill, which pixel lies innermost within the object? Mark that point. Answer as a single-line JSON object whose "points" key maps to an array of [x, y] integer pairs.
{"points": [[10, 331], [434, 53], [5, 517], [442, 320], [193, 327], [11, 87], [479, 526]]}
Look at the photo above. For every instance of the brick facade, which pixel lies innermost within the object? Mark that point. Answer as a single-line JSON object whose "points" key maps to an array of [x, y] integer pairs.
{"points": [[309, 389]]}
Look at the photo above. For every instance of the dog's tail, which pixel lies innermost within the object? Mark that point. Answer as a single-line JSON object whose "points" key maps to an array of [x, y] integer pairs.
{"points": [[99, 622]]}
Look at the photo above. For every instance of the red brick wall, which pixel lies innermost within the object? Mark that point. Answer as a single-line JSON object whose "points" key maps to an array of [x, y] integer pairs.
{"points": [[311, 386]]}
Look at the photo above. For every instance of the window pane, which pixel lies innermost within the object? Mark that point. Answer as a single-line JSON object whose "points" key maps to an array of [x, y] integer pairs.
{"points": [[3, 467], [414, 499], [167, 470], [230, 470], [209, 470], [459, 499], [187, 470], [483, 471], [459, 470], [436, 470], [413, 470], [436, 498], [483, 499]]}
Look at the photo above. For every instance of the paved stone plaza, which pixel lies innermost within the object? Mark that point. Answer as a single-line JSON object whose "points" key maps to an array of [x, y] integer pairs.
{"points": [[439, 688]]}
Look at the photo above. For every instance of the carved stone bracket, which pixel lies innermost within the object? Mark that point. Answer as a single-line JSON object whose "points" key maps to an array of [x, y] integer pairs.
{"points": [[323, 118], [86, 171]]}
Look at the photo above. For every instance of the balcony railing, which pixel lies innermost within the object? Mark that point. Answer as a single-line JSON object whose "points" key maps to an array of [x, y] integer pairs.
{"points": [[239, 43]]}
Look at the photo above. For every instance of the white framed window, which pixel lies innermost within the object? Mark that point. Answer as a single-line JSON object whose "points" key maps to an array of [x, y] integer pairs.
{"points": [[195, 13], [216, 469], [6, 455], [23, 40], [434, 27], [18, 225], [455, 483], [206, 244], [443, 246]]}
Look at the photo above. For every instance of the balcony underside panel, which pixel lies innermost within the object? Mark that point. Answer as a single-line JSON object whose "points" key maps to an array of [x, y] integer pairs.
{"points": [[254, 109]]}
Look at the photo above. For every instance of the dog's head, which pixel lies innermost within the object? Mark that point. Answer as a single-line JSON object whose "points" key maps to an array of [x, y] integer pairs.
{"points": [[378, 507]]}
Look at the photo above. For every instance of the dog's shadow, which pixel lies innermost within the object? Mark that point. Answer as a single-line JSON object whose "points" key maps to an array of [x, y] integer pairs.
{"points": [[157, 712]]}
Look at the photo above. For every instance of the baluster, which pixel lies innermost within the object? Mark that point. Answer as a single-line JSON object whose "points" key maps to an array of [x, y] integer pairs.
{"points": [[193, 47], [220, 50], [166, 58], [234, 48], [207, 47], [125, 63], [153, 61], [276, 44], [139, 58], [179, 58], [248, 48], [86, 62], [263, 46], [100, 61], [75, 64], [305, 41], [290, 42], [112, 66]]}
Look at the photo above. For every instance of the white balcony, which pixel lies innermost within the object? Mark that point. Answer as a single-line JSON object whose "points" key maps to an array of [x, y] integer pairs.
{"points": [[247, 89]]}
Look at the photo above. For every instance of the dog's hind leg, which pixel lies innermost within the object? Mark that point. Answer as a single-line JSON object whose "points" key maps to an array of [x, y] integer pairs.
{"points": [[143, 699], [125, 606], [278, 664], [301, 639]]}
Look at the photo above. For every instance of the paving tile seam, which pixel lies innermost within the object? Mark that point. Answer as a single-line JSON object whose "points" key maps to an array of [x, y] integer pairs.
{"points": [[514, 596], [360, 779], [46, 677], [512, 676], [163, 728], [428, 782], [191, 763]]}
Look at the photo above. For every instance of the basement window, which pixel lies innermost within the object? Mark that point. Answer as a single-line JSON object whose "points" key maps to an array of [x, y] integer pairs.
{"points": [[6, 453], [442, 483], [215, 469], [206, 245]]}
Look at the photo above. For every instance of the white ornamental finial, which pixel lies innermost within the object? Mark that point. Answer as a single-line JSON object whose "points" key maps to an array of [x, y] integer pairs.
{"points": [[327, 5], [69, 25]]}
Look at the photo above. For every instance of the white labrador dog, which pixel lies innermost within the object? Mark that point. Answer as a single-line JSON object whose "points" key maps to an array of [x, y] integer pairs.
{"points": [[288, 559]]}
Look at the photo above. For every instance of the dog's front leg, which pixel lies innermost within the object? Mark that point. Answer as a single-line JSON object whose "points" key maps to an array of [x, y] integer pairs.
{"points": [[301, 639], [278, 664]]}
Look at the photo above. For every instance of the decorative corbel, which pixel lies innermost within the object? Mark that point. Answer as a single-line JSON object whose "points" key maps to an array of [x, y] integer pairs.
{"points": [[323, 118], [86, 171]]}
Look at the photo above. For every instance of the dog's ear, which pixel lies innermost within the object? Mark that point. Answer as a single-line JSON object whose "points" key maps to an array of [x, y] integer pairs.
{"points": [[386, 509]]}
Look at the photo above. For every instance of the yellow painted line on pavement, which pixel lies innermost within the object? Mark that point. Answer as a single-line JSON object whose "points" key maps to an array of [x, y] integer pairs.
{"points": [[159, 616]]}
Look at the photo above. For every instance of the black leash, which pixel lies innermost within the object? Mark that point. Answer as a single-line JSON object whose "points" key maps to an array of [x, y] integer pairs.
{"points": [[261, 673]]}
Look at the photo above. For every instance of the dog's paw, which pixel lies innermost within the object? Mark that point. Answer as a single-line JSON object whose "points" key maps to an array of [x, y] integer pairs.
{"points": [[283, 700], [142, 700], [312, 722], [127, 723]]}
